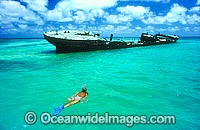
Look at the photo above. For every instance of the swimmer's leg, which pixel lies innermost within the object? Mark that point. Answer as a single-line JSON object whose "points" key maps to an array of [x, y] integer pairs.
{"points": [[69, 100], [72, 103]]}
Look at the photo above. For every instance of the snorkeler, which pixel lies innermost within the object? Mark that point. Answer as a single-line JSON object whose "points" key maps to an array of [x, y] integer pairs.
{"points": [[73, 100], [77, 97]]}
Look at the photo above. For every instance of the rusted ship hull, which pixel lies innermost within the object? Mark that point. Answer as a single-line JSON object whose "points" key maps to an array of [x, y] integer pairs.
{"points": [[81, 42], [64, 45]]}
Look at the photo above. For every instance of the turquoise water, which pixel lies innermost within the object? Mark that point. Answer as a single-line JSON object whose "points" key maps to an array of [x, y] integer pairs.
{"points": [[153, 80]]}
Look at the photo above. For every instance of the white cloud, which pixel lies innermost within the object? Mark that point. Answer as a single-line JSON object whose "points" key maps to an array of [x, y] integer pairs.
{"points": [[198, 2], [127, 14], [64, 6], [177, 13], [13, 11], [149, 29], [50, 27], [115, 19], [80, 17], [64, 19], [16, 16], [36, 5], [187, 29], [138, 28], [122, 29], [153, 30], [196, 29], [60, 13], [71, 27], [118, 30], [84, 4], [61, 26], [22, 26], [92, 4], [173, 29], [129, 24], [98, 12], [108, 27], [13, 8], [177, 9], [195, 9], [89, 10], [22, 29], [155, 20], [193, 19], [10, 25], [161, 29], [9, 19], [164, 1], [91, 15], [55, 15], [134, 11]]}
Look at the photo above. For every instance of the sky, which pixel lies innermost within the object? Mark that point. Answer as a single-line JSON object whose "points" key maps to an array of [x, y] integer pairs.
{"points": [[123, 18]]}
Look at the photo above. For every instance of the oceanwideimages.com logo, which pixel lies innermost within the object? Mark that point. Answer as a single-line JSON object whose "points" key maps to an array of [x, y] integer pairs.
{"points": [[129, 120]]}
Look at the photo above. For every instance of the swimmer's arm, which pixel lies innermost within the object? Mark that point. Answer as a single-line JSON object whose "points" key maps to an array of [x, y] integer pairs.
{"points": [[84, 98], [74, 95]]}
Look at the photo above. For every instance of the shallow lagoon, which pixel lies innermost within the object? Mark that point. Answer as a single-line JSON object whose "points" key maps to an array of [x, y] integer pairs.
{"points": [[153, 80]]}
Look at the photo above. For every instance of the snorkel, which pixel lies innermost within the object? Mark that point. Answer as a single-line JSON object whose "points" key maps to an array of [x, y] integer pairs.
{"points": [[84, 88]]}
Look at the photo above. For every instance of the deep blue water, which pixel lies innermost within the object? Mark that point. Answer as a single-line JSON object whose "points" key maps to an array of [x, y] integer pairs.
{"points": [[152, 80]]}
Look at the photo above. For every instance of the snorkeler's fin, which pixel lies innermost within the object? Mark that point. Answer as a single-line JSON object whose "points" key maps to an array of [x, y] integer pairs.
{"points": [[58, 110]]}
